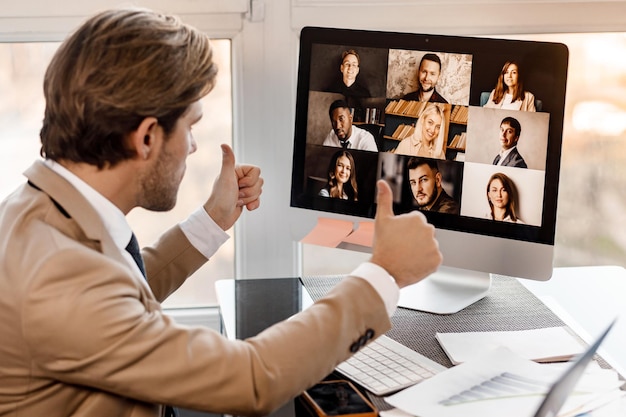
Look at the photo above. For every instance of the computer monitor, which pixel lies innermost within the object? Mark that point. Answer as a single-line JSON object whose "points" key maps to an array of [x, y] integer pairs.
{"points": [[480, 158]]}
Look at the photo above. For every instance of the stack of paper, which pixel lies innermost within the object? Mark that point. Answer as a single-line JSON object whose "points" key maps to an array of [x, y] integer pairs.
{"points": [[498, 383], [551, 344]]}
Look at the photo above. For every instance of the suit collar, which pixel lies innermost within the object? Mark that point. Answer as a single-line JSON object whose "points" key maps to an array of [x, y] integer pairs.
{"points": [[114, 220], [74, 205], [507, 154]]}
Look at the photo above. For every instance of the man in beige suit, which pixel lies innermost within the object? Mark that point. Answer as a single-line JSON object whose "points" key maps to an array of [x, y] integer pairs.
{"points": [[82, 331]]}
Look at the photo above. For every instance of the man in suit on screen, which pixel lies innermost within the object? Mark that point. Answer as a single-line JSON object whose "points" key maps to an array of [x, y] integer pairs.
{"points": [[509, 156]]}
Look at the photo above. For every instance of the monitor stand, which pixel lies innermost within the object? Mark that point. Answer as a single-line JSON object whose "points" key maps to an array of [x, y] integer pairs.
{"points": [[446, 291]]}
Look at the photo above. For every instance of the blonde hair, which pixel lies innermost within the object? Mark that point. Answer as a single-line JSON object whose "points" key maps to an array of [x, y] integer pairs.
{"points": [[432, 108], [119, 67]]}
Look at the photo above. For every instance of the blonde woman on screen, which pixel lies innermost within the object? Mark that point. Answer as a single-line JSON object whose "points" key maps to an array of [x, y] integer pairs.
{"points": [[427, 139], [503, 199], [509, 93]]}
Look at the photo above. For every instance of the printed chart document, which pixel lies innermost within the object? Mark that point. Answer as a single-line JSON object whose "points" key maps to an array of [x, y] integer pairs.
{"points": [[497, 381], [551, 344]]}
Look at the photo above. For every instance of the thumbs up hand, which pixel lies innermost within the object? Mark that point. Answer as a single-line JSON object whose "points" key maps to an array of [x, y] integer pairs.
{"points": [[236, 187], [404, 245]]}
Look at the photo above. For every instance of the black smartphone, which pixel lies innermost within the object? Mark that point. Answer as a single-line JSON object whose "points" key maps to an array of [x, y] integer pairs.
{"points": [[338, 398]]}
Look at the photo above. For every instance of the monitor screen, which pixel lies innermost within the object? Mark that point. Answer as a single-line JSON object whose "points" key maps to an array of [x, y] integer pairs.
{"points": [[468, 130]]}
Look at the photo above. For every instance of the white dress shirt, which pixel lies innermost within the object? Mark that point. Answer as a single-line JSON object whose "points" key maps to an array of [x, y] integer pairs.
{"points": [[360, 139]]}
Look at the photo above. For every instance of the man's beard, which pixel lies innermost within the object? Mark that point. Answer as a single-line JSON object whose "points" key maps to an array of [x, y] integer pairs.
{"points": [[431, 200], [160, 186]]}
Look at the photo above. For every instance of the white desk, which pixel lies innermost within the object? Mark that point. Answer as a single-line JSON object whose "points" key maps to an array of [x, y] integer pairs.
{"points": [[587, 299]]}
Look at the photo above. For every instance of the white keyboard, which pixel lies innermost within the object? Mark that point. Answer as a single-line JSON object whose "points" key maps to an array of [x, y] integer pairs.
{"points": [[386, 366]]}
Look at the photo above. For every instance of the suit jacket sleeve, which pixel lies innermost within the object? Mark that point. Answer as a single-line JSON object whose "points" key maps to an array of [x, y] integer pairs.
{"points": [[528, 104], [516, 159], [170, 261], [109, 335]]}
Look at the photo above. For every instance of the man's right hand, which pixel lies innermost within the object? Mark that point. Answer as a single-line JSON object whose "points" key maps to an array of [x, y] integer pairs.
{"points": [[404, 245], [235, 187]]}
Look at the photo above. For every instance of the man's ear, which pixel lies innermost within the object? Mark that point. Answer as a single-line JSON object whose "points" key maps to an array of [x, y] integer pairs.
{"points": [[144, 139], [438, 179]]}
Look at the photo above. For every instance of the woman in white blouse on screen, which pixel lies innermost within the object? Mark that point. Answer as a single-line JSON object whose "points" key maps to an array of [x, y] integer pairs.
{"points": [[509, 93]]}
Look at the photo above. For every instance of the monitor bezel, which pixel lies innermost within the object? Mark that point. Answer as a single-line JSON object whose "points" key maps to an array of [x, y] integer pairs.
{"points": [[475, 46]]}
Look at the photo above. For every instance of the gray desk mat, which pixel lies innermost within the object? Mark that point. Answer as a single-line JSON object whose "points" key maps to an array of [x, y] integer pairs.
{"points": [[508, 306]]}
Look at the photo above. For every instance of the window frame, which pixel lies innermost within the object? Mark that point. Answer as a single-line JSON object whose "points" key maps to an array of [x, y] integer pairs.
{"points": [[51, 23]]}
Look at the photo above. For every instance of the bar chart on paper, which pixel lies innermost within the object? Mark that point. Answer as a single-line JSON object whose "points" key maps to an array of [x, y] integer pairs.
{"points": [[506, 384], [499, 380]]}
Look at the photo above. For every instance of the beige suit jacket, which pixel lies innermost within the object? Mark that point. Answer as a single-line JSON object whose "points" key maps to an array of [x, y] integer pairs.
{"points": [[83, 335]]}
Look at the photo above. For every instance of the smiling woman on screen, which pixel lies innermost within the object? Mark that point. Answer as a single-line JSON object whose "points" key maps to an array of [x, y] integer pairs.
{"points": [[341, 177]]}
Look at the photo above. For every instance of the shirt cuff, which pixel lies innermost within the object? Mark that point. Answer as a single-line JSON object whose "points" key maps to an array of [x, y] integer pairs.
{"points": [[203, 233], [382, 282]]}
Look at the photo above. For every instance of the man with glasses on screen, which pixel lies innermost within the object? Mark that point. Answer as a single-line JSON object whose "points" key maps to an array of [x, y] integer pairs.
{"points": [[82, 330], [348, 84]]}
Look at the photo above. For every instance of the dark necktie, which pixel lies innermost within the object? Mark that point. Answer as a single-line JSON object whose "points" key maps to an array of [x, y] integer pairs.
{"points": [[496, 160], [133, 249], [170, 411], [345, 144]]}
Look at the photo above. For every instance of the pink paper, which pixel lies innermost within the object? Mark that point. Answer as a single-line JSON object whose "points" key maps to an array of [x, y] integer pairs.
{"points": [[328, 232], [363, 235]]}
